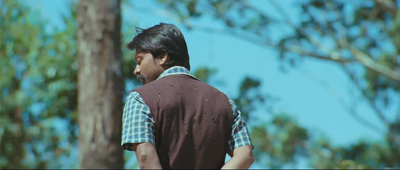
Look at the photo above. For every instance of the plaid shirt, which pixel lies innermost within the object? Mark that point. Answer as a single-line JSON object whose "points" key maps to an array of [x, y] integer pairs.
{"points": [[138, 124]]}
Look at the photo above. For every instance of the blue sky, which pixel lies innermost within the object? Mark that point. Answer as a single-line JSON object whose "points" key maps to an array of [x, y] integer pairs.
{"points": [[300, 95]]}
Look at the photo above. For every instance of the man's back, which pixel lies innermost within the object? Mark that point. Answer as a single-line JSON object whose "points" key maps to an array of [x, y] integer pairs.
{"points": [[174, 120], [193, 121]]}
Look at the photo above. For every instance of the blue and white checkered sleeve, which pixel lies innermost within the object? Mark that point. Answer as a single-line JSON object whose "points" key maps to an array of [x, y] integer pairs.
{"points": [[137, 122], [240, 134]]}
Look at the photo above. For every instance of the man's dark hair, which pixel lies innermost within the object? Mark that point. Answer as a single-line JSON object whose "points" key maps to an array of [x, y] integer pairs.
{"points": [[161, 39]]}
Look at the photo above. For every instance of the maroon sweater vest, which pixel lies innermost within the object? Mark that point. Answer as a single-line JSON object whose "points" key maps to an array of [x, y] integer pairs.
{"points": [[193, 122]]}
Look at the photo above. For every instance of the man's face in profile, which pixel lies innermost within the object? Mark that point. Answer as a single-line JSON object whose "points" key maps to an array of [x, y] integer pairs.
{"points": [[147, 67]]}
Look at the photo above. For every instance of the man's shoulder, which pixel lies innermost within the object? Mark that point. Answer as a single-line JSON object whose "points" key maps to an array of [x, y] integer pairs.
{"points": [[147, 86], [152, 86], [213, 89], [165, 82]]}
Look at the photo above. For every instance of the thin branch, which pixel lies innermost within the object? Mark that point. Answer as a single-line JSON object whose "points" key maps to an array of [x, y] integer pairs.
{"points": [[312, 40], [371, 64], [360, 56], [351, 110], [369, 100], [258, 42], [261, 12], [282, 12], [341, 40], [301, 51], [388, 6], [373, 14]]}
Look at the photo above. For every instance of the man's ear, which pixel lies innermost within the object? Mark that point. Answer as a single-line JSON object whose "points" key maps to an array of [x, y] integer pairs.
{"points": [[163, 59]]}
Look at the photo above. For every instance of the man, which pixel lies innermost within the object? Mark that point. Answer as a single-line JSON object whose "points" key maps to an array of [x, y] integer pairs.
{"points": [[174, 120]]}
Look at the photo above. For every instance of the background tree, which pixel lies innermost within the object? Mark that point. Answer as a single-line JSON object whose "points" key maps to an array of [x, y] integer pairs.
{"points": [[100, 84], [38, 103], [38, 87]]}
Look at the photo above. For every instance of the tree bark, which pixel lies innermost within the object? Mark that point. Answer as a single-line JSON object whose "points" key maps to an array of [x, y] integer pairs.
{"points": [[100, 84]]}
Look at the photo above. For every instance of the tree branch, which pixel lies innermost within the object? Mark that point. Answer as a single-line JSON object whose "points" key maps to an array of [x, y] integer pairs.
{"points": [[302, 52], [369, 100], [360, 56], [387, 6], [351, 110], [258, 42], [282, 12], [371, 64], [315, 42]]}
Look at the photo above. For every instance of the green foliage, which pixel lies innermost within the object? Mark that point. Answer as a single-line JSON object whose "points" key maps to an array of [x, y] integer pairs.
{"points": [[38, 98], [249, 96], [204, 73], [280, 141], [371, 27], [38, 87], [363, 154], [238, 15], [373, 33], [128, 56]]}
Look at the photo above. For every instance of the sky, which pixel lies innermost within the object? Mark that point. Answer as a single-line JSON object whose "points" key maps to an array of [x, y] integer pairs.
{"points": [[300, 92]]}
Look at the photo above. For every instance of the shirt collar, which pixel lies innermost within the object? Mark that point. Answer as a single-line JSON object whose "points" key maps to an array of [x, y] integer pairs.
{"points": [[175, 70]]}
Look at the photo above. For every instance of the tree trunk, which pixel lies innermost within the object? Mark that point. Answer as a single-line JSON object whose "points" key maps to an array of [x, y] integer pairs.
{"points": [[100, 84]]}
